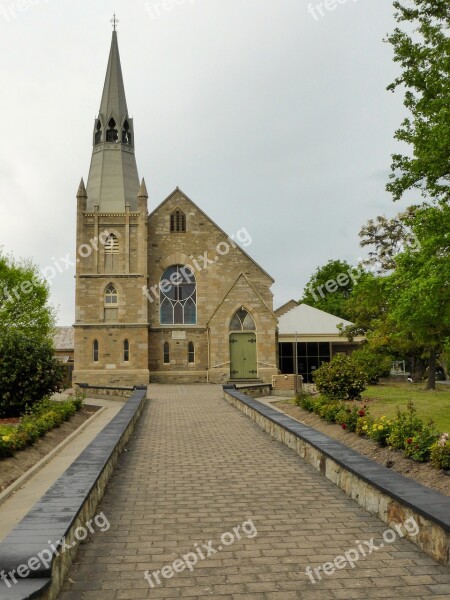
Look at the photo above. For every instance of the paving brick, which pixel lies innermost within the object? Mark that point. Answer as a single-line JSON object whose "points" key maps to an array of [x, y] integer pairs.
{"points": [[195, 469]]}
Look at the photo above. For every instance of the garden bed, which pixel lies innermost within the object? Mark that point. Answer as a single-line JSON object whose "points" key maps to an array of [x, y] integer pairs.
{"points": [[13, 467], [424, 473]]}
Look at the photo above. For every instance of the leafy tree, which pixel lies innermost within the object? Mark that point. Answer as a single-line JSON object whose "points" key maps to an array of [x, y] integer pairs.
{"points": [[330, 287], [424, 56], [375, 364], [24, 298], [420, 286], [29, 371]]}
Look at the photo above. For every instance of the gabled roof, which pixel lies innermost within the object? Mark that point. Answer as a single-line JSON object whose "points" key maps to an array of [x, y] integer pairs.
{"points": [[178, 190], [306, 320], [64, 338]]}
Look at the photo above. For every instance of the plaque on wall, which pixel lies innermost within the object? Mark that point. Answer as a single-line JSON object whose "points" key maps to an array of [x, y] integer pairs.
{"points": [[178, 335]]}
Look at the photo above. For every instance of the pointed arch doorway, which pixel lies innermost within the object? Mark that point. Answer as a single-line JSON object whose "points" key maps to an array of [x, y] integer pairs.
{"points": [[243, 353]]}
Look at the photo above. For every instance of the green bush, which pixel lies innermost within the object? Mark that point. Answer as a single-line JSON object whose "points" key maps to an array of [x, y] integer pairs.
{"points": [[405, 426], [306, 400], [419, 447], [28, 371], [329, 411], [374, 364], [340, 379], [440, 453], [380, 430], [349, 417]]}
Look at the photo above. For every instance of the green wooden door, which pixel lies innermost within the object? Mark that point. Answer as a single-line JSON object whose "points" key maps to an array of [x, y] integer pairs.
{"points": [[243, 356]]}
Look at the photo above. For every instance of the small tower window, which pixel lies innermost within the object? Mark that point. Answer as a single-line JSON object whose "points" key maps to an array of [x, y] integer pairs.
{"points": [[111, 254], [178, 222], [191, 353], [126, 351], [126, 134], [95, 351], [166, 353], [98, 133], [111, 301], [112, 134]]}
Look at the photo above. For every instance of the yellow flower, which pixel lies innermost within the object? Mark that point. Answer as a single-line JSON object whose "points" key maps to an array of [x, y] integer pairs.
{"points": [[380, 427], [6, 438]]}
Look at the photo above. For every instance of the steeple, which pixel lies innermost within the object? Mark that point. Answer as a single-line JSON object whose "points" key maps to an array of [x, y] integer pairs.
{"points": [[113, 179]]}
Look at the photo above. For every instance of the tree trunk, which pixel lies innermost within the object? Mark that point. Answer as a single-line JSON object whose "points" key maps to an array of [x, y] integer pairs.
{"points": [[431, 383]]}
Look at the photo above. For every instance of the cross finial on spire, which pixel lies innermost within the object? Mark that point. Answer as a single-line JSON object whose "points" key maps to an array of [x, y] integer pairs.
{"points": [[114, 22]]}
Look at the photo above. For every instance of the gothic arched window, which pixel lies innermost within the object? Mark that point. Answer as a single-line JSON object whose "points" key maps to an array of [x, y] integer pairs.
{"points": [[98, 133], [112, 134], [111, 301], [166, 353], [126, 134], [111, 253], [191, 353], [178, 296], [242, 321], [178, 222], [95, 351]]}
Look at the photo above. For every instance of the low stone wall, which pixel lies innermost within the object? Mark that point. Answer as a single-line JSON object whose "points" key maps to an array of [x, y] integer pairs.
{"points": [[382, 492], [285, 385], [68, 505], [105, 391], [256, 390]]}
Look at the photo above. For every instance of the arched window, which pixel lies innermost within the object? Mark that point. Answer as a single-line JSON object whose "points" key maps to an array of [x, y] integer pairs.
{"points": [[95, 351], [126, 351], [191, 353], [98, 133], [111, 253], [242, 321], [112, 134], [178, 296], [178, 222], [126, 134], [111, 301], [166, 352]]}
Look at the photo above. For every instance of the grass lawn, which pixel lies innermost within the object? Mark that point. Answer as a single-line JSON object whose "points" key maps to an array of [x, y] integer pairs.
{"points": [[429, 405]]}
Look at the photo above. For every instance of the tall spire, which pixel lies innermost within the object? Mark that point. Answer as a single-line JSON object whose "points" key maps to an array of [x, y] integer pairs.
{"points": [[113, 179], [113, 99]]}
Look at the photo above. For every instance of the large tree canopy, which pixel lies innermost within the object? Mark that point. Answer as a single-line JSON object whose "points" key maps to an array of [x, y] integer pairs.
{"points": [[423, 52]]}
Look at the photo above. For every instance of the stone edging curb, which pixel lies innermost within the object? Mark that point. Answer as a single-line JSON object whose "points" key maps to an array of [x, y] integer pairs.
{"points": [[69, 504], [382, 492], [47, 458]]}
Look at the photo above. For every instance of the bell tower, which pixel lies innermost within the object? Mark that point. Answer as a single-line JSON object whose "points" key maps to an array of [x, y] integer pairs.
{"points": [[111, 323]]}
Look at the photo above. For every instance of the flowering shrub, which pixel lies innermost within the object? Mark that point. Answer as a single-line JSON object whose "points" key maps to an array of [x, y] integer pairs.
{"points": [[348, 417], [405, 425], [43, 417], [340, 379], [363, 424], [330, 411], [380, 430], [440, 452], [419, 446]]}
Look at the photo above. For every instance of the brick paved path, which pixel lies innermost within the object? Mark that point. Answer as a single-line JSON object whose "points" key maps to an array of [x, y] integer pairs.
{"points": [[197, 468]]}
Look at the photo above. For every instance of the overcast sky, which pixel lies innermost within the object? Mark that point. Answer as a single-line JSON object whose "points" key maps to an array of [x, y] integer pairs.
{"points": [[268, 115]]}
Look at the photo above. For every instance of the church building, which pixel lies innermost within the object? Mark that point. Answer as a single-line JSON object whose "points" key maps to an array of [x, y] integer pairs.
{"points": [[163, 294]]}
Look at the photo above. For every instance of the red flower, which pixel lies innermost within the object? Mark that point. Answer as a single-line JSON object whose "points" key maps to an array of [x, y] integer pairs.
{"points": [[362, 413], [409, 441], [344, 426]]}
